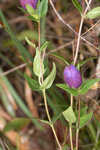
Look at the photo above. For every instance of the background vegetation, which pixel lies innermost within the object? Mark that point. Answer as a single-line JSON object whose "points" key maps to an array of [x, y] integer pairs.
{"points": [[19, 102]]}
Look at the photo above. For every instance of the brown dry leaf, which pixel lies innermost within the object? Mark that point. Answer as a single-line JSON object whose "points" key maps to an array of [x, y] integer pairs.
{"points": [[4, 115], [2, 123], [25, 144], [21, 142]]}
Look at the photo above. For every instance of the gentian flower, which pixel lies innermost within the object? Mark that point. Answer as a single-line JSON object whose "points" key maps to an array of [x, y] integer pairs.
{"points": [[72, 76], [32, 3]]}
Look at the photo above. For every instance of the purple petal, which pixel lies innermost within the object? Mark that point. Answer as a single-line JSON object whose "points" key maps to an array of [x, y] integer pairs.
{"points": [[72, 76], [32, 3]]}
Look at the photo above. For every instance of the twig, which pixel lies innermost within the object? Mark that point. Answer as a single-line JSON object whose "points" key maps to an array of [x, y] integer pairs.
{"points": [[87, 3], [78, 40], [91, 28], [59, 48], [79, 33], [13, 69], [66, 24]]}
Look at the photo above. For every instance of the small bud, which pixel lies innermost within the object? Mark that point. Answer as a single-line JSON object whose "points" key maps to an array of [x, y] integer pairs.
{"points": [[72, 76], [32, 3]]}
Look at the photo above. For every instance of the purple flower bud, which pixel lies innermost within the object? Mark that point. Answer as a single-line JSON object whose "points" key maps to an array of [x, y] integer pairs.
{"points": [[72, 76], [32, 3]]}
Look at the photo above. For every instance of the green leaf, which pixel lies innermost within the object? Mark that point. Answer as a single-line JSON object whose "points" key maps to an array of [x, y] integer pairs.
{"points": [[30, 9], [87, 85], [60, 57], [46, 122], [94, 13], [44, 46], [33, 13], [83, 111], [47, 83], [69, 115], [34, 85], [29, 42], [17, 124], [84, 119], [38, 66], [65, 87], [77, 5], [43, 8]]}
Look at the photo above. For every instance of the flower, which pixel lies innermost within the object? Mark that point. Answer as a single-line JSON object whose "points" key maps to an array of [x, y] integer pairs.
{"points": [[72, 76], [32, 3]]}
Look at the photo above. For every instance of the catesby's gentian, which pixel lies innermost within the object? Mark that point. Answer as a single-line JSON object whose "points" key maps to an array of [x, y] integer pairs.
{"points": [[32, 3], [72, 76]]}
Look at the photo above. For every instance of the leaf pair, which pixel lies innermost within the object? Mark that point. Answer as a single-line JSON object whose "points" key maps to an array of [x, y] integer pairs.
{"points": [[38, 69], [38, 66], [47, 83], [37, 14], [70, 116], [92, 14], [82, 90]]}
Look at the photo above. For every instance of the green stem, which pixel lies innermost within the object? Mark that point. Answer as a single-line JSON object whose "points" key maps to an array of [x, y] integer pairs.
{"points": [[71, 138], [39, 36], [44, 93], [49, 118], [78, 124], [70, 126], [77, 137], [43, 30]]}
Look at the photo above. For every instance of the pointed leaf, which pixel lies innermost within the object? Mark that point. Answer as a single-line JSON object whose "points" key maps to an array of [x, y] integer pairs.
{"points": [[47, 83], [84, 119], [46, 122], [65, 87], [60, 57], [83, 111], [43, 8], [69, 115], [30, 9], [38, 66], [29, 42], [77, 5], [44, 46], [17, 124], [87, 85], [94, 13]]}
